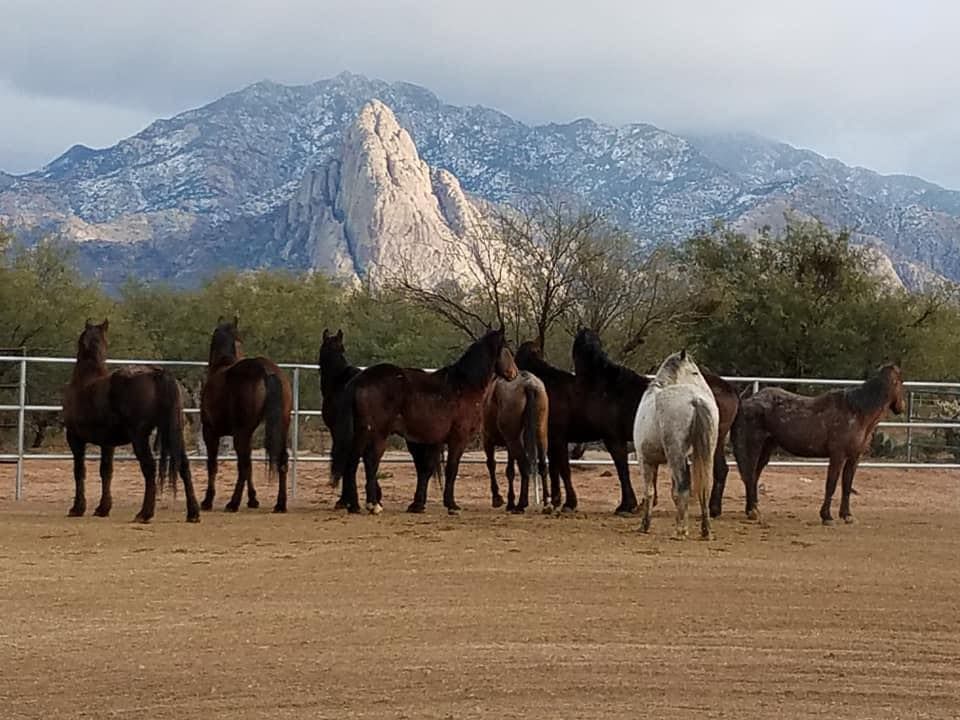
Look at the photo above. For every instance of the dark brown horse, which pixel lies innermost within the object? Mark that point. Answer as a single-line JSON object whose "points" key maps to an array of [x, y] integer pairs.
{"points": [[600, 402], [436, 408], [515, 416], [836, 425], [335, 373], [239, 394], [118, 408]]}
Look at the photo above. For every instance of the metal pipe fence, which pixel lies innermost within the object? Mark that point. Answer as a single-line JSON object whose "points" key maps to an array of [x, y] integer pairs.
{"points": [[299, 413]]}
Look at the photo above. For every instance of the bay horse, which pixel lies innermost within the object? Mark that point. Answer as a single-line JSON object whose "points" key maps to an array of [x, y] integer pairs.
{"points": [[599, 403], [515, 416], [123, 407], [335, 373], [430, 408], [238, 395], [676, 424], [837, 425]]}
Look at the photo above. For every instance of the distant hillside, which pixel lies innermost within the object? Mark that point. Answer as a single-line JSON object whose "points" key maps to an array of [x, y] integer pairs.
{"points": [[224, 185]]}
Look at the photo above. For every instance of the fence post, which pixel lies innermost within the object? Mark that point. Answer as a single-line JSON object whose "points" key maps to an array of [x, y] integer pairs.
{"points": [[295, 434], [910, 429], [21, 422]]}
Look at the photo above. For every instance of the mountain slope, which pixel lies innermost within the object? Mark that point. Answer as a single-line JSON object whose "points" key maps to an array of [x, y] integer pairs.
{"points": [[225, 184]]}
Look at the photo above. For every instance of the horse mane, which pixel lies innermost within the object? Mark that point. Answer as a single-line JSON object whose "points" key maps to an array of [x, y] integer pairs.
{"points": [[871, 395], [473, 368], [589, 355], [529, 360]]}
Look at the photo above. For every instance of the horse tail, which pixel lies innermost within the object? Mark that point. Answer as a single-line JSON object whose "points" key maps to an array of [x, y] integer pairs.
{"points": [[274, 428], [342, 434], [703, 432], [169, 429], [531, 423], [438, 467]]}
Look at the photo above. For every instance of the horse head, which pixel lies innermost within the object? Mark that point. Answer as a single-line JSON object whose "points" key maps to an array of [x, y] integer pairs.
{"points": [[226, 345], [92, 344], [331, 348], [678, 368], [505, 366], [893, 378]]}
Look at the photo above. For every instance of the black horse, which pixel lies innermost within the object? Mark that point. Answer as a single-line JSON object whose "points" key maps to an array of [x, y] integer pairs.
{"points": [[335, 373], [599, 403]]}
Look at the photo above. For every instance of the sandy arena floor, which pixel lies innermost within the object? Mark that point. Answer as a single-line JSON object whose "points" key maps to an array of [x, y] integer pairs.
{"points": [[319, 615]]}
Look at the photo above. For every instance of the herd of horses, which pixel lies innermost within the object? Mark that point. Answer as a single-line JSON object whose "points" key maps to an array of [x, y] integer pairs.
{"points": [[681, 417]]}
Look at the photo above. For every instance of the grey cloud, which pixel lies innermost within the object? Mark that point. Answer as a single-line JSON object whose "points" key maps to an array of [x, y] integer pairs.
{"points": [[872, 83]]}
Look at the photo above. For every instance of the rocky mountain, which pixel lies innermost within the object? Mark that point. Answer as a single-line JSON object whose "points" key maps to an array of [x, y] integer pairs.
{"points": [[313, 177]]}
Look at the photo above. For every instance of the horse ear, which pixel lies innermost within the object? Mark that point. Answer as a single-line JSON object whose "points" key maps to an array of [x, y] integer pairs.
{"points": [[88, 324], [219, 319], [683, 354], [326, 333], [105, 325], [340, 334], [236, 320]]}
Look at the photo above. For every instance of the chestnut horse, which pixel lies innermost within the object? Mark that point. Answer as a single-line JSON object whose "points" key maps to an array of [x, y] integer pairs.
{"points": [[600, 403], [335, 373], [515, 416], [431, 408], [116, 408], [836, 425], [239, 394]]}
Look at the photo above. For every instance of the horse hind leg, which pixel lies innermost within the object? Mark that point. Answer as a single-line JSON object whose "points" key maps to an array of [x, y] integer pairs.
{"points": [[212, 442], [243, 447], [490, 450], [148, 466], [648, 476], [106, 477], [680, 489]]}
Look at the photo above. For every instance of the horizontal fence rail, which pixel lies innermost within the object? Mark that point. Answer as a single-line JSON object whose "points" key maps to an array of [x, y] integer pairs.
{"points": [[21, 408]]}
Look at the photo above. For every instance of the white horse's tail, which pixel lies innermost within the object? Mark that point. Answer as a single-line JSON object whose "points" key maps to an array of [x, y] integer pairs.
{"points": [[703, 431]]}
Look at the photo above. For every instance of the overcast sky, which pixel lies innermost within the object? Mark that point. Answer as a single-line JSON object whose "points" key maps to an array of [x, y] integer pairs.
{"points": [[872, 82]]}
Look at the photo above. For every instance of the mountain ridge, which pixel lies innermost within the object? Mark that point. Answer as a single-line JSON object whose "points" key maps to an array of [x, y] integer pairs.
{"points": [[208, 185]]}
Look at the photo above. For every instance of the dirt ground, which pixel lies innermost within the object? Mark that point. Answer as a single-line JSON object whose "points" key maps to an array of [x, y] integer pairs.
{"points": [[319, 615]]}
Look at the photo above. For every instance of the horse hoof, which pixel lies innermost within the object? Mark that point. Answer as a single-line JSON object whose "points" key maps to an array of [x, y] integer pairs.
{"points": [[715, 512], [102, 511], [340, 505], [279, 508], [230, 507], [253, 504], [518, 511], [141, 518], [206, 505], [375, 508], [353, 509], [547, 509], [623, 512], [568, 509], [416, 508], [76, 511], [848, 519], [193, 518], [497, 501], [753, 514], [827, 522], [453, 511], [706, 535]]}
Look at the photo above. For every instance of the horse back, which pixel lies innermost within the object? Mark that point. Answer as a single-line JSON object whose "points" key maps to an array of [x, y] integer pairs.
{"points": [[104, 410], [806, 426]]}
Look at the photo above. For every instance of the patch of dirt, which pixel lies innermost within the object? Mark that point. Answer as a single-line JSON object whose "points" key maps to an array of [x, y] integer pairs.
{"points": [[319, 615]]}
